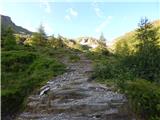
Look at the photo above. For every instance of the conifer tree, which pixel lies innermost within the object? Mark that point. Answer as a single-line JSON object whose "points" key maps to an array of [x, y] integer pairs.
{"points": [[148, 53], [102, 38], [39, 38]]}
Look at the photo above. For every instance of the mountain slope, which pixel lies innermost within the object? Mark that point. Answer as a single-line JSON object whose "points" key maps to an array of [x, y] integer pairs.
{"points": [[127, 41], [6, 22]]}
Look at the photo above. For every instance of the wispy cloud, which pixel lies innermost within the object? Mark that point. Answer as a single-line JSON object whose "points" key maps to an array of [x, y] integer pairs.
{"points": [[99, 13], [71, 13], [45, 4], [103, 24], [67, 17]]}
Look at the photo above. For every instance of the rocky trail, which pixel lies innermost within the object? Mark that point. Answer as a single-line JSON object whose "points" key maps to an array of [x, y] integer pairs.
{"points": [[74, 96]]}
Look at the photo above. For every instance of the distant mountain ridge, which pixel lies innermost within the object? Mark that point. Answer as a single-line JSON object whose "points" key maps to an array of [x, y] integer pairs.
{"points": [[6, 22], [89, 41]]}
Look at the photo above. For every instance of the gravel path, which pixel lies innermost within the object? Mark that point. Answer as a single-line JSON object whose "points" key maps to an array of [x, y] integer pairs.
{"points": [[73, 96]]}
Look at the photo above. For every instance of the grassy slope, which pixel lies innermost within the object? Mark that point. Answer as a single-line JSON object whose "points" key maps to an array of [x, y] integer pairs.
{"points": [[25, 69]]}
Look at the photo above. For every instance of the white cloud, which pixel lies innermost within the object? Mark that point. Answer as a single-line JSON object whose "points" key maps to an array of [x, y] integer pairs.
{"points": [[67, 17], [45, 4], [103, 24], [71, 13], [99, 13]]}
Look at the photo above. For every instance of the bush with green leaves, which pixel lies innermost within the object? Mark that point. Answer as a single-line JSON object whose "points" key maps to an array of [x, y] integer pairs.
{"points": [[56, 42], [144, 98], [128, 66], [39, 38], [147, 57], [8, 39], [105, 71], [101, 50], [23, 70], [74, 58], [143, 95], [16, 61], [79, 47], [140, 50]]}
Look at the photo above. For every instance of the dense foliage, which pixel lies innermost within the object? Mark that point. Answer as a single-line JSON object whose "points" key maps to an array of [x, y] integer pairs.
{"points": [[25, 68], [135, 69], [145, 97], [147, 56], [126, 44], [55, 42], [8, 39], [22, 71]]}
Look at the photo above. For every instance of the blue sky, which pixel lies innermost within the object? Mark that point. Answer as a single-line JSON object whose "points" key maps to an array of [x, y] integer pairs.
{"points": [[74, 19]]}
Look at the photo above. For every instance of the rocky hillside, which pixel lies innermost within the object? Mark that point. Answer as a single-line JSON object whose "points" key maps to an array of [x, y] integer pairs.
{"points": [[6, 22], [89, 41]]}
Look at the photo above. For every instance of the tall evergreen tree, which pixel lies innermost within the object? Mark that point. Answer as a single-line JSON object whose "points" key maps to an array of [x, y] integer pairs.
{"points": [[39, 38], [102, 38], [41, 31], [148, 53]]}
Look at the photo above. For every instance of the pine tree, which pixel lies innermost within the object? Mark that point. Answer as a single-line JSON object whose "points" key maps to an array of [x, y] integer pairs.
{"points": [[102, 38], [41, 31], [39, 38], [148, 53]]}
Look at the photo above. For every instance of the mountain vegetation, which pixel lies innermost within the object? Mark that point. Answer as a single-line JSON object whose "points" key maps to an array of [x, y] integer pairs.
{"points": [[28, 66], [132, 67], [126, 44]]}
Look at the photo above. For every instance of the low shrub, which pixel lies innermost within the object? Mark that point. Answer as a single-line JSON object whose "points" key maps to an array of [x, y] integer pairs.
{"points": [[102, 50], [111, 68], [22, 72], [74, 58], [144, 98], [105, 71], [16, 61]]}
